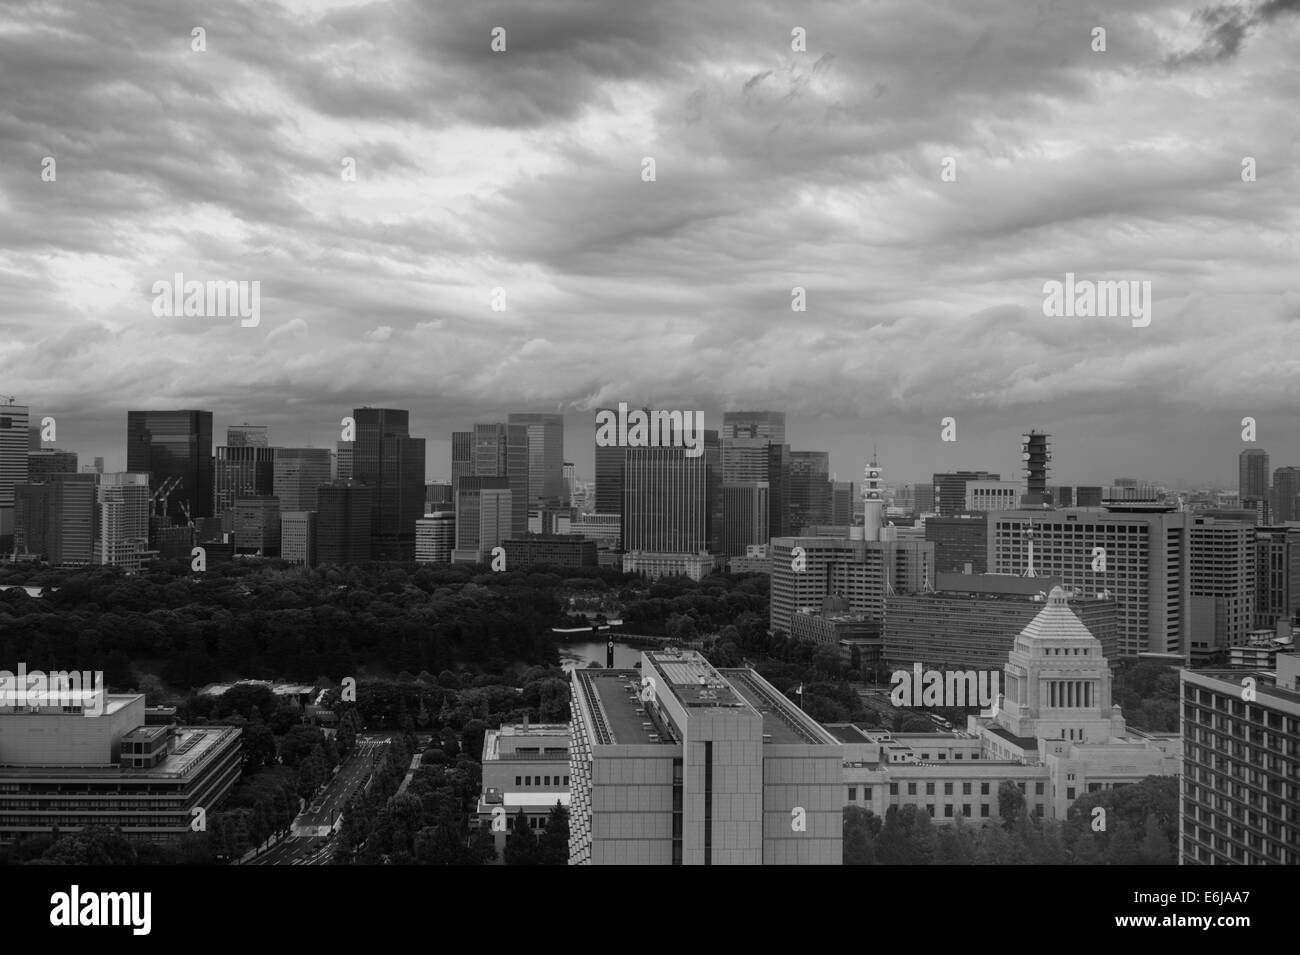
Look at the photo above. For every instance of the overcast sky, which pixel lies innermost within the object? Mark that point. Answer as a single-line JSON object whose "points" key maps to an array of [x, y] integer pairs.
{"points": [[774, 168]]}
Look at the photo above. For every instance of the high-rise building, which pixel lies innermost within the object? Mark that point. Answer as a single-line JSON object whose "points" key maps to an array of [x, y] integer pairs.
{"points": [[778, 484], [970, 621], [15, 442], [298, 537], [1089, 496], [1062, 495], [501, 450], [244, 471], [666, 506], [810, 489], [343, 461], [609, 474], [344, 515], [1145, 566], [1286, 495], [1252, 475], [864, 572], [550, 550], [950, 489], [766, 425], [923, 495], [55, 518], [959, 542], [123, 522], [1277, 575], [99, 465], [438, 497], [842, 502], [1221, 566], [679, 763], [167, 444], [462, 455], [570, 480], [484, 512], [745, 516], [391, 462], [297, 474], [1036, 452], [246, 436], [985, 496], [257, 525], [545, 457], [51, 461], [435, 537], [1241, 767]]}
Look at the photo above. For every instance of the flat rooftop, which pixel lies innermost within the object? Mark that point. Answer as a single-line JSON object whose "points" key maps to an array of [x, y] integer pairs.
{"points": [[1024, 742], [1264, 682], [194, 744], [144, 734], [623, 718], [783, 721], [691, 678]]}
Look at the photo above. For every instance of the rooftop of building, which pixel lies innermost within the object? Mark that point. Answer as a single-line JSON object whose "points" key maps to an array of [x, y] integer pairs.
{"points": [[623, 719], [1056, 621], [691, 678], [194, 744], [1265, 685], [144, 734], [1024, 742]]}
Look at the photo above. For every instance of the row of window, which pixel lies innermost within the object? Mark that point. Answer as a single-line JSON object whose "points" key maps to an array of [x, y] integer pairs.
{"points": [[541, 781]]}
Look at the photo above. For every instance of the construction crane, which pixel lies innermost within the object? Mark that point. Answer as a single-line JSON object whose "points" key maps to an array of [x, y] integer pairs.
{"points": [[163, 493]]}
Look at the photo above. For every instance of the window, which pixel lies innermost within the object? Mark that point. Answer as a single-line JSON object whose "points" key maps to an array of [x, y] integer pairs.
{"points": [[853, 794], [548, 780], [1038, 789], [1069, 793], [929, 789], [947, 789], [911, 789], [984, 811], [965, 789], [866, 794], [566, 780], [1038, 810], [528, 780], [519, 780], [984, 789], [965, 809], [930, 809], [893, 789], [947, 811]]}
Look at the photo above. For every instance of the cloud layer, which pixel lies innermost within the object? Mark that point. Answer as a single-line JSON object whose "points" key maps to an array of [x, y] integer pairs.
{"points": [[774, 168]]}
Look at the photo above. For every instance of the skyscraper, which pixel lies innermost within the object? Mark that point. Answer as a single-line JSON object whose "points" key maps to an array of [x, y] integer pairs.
{"points": [[243, 471], [950, 489], [545, 456], [1252, 475], [609, 475], [344, 511], [745, 516], [15, 442], [55, 518], [462, 455], [167, 444], [51, 461], [298, 537], [1221, 568], [123, 528], [1145, 550], [297, 474], [1286, 489], [390, 461], [666, 506], [257, 525], [484, 511], [810, 489], [435, 537], [501, 450], [343, 461], [246, 436]]}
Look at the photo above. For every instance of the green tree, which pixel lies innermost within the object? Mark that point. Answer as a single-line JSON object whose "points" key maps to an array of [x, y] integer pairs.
{"points": [[1011, 803], [553, 846], [521, 844]]}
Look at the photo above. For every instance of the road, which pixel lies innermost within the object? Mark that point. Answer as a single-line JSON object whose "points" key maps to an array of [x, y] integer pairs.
{"points": [[312, 840]]}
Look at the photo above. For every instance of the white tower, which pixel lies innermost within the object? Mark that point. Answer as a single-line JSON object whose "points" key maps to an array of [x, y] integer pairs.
{"points": [[873, 500]]}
